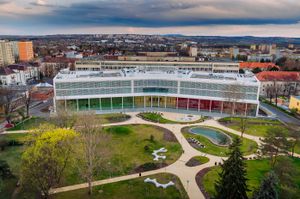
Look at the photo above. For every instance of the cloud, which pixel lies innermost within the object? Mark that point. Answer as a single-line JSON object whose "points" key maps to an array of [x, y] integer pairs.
{"points": [[149, 13]]}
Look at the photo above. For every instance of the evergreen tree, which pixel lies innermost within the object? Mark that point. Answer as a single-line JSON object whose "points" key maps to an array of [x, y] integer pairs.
{"points": [[232, 183], [268, 188]]}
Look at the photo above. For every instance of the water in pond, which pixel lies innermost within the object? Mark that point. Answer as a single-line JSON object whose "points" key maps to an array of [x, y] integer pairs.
{"points": [[216, 137]]}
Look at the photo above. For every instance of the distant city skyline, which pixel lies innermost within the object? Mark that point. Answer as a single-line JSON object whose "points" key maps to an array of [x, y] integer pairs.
{"points": [[193, 17]]}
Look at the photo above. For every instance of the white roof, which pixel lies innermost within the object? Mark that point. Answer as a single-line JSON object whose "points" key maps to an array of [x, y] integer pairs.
{"points": [[176, 75]]}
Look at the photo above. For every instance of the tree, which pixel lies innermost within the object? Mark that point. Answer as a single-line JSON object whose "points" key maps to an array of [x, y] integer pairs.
{"points": [[256, 70], [268, 187], [90, 154], [26, 99], [5, 173], [275, 143], [232, 183], [295, 139], [7, 101], [64, 119], [44, 161], [243, 125], [233, 94], [285, 169]]}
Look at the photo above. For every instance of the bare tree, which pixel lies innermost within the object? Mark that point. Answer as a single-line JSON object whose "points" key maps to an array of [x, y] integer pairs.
{"points": [[243, 125], [26, 99], [64, 119], [233, 94], [93, 141], [8, 100]]}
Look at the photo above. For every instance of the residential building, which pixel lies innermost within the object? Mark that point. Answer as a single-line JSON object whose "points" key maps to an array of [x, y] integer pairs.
{"points": [[282, 82], [215, 67], [50, 66], [193, 51], [6, 53], [234, 51], [26, 72], [295, 103], [261, 66], [8, 76], [157, 58], [141, 90], [26, 51]]}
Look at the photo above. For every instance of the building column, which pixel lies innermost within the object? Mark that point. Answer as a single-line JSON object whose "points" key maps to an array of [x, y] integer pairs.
{"points": [[122, 103], [199, 105], [210, 103], [176, 102], [188, 104], [233, 108], [111, 104], [246, 109], [165, 102], [144, 102], [222, 106], [89, 103], [133, 102], [151, 97], [77, 105], [99, 103], [158, 102], [65, 105]]}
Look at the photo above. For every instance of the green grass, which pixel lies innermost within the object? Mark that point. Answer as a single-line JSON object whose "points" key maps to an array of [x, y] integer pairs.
{"points": [[112, 118], [157, 118], [28, 124], [255, 126], [248, 146], [256, 170], [201, 159], [36, 121], [131, 189], [126, 152], [197, 160]]}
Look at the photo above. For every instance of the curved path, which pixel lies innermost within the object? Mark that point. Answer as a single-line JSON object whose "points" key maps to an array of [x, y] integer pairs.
{"points": [[186, 174]]}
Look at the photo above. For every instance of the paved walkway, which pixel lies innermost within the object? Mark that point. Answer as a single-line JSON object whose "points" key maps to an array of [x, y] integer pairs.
{"points": [[186, 174]]}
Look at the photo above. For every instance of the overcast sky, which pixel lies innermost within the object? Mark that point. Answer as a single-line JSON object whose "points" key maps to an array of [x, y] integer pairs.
{"points": [[189, 17]]}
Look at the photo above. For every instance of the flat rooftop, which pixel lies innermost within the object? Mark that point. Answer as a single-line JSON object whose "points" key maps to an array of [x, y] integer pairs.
{"points": [[128, 74]]}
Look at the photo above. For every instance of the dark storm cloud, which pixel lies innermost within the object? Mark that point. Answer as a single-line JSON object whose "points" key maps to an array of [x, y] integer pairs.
{"points": [[162, 13], [158, 13]]}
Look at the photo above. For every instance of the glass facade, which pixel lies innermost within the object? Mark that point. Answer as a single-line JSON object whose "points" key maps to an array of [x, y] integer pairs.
{"points": [[220, 95], [120, 103]]}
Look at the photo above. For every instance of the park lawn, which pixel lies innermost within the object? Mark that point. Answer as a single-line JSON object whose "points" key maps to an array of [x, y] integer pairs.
{"points": [[256, 126], [256, 170], [248, 146], [28, 124], [112, 118], [36, 121], [127, 151], [157, 118], [132, 189]]}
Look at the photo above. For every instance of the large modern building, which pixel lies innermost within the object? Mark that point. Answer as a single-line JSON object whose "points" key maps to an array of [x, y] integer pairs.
{"points": [[215, 67], [174, 90]]}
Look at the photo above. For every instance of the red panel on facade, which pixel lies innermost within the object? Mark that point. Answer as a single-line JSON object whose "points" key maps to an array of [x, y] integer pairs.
{"points": [[216, 105], [204, 104], [182, 103], [193, 104]]}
